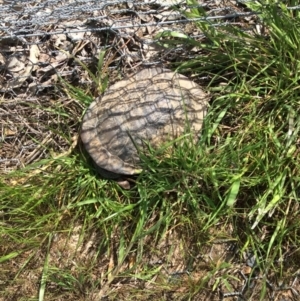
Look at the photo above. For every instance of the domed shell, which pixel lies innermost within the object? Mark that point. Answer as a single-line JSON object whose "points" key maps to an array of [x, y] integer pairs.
{"points": [[154, 105]]}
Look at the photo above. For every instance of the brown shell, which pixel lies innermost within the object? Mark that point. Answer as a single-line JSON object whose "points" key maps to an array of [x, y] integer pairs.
{"points": [[154, 105]]}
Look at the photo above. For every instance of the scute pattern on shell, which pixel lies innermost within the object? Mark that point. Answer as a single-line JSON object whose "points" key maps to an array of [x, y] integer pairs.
{"points": [[155, 105]]}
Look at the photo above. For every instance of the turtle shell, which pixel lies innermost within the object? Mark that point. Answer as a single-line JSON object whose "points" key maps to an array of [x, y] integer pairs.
{"points": [[154, 105]]}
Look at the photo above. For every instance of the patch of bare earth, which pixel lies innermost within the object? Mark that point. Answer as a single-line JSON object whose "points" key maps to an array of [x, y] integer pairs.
{"points": [[80, 269]]}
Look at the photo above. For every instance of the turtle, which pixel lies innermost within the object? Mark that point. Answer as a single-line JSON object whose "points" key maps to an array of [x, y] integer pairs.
{"points": [[153, 106]]}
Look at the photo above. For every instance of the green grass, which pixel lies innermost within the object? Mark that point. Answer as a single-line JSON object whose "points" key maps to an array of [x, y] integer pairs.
{"points": [[78, 235]]}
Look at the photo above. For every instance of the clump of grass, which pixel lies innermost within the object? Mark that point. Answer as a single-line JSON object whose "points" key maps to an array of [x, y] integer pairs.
{"points": [[81, 234], [259, 131]]}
